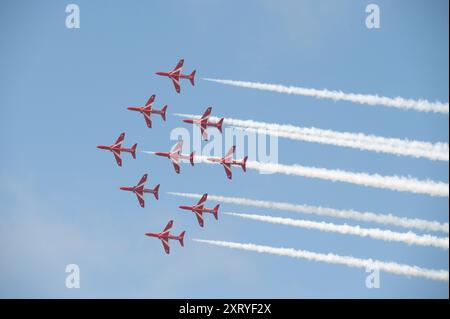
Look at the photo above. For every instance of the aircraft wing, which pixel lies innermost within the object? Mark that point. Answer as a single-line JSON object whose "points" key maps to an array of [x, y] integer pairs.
{"points": [[177, 147], [168, 227], [119, 140], [227, 167], [203, 131], [165, 244], [202, 200], [230, 153], [176, 166], [176, 83], [175, 153], [178, 67], [199, 218], [148, 119], [118, 158], [140, 197], [207, 113], [150, 100], [142, 181]]}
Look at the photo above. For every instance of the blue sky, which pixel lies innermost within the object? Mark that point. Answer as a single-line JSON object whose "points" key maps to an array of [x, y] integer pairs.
{"points": [[62, 92]]}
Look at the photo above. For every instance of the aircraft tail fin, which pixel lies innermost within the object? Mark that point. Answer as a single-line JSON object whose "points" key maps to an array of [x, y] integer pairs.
{"points": [[163, 112], [219, 125], [155, 191], [192, 78], [191, 158], [216, 211], [244, 164], [181, 238], [133, 151]]}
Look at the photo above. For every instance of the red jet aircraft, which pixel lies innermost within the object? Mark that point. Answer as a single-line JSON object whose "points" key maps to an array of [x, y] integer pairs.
{"points": [[147, 110], [199, 209], [203, 122], [116, 148], [175, 75], [164, 236], [139, 190], [227, 161], [175, 155]]}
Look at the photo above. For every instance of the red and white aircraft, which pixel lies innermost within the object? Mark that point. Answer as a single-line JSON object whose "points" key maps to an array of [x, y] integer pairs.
{"points": [[228, 160], [165, 235], [116, 148], [175, 75], [204, 122], [199, 209], [175, 155], [139, 190], [148, 109]]}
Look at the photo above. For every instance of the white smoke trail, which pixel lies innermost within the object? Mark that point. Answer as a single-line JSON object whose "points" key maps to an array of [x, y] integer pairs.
{"points": [[391, 267], [398, 102], [433, 151], [386, 219], [409, 238], [395, 183]]}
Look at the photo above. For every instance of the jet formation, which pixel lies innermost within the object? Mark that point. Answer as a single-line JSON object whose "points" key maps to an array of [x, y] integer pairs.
{"points": [[175, 155]]}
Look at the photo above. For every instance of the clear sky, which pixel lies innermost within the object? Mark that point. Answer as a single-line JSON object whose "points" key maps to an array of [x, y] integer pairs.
{"points": [[64, 91]]}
